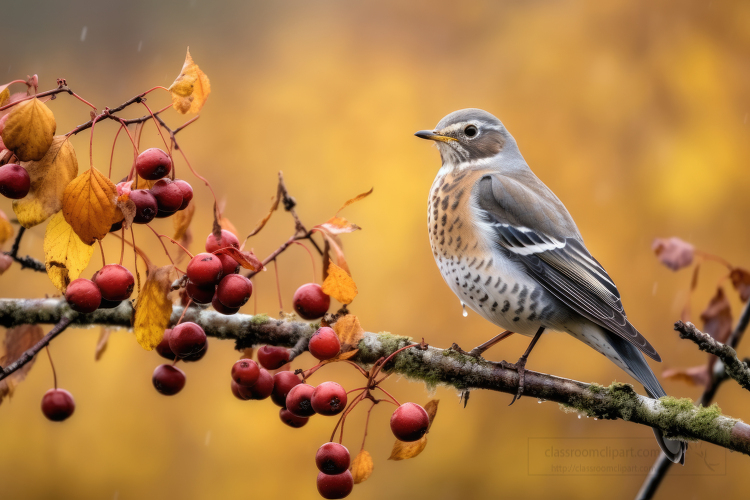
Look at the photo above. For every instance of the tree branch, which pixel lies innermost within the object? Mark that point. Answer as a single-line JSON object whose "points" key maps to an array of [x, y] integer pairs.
{"points": [[735, 368], [26, 262], [29, 354], [676, 418]]}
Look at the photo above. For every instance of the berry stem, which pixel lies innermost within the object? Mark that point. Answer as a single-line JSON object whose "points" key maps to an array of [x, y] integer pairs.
{"points": [[395, 401], [312, 259], [216, 203], [112, 155], [158, 129], [355, 365], [136, 253], [343, 415], [104, 261], [278, 285], [382, 362], [122, 249], [367, 423], [156, 88], [91, 142], [173, 241], [54, 373], [184, 310]]}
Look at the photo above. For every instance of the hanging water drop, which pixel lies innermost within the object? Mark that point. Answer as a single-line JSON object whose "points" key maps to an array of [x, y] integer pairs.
{"points": [[463, 306], [579, 416]]}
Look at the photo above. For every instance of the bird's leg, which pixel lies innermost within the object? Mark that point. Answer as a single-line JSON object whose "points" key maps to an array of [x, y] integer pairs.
{"points": [[520, 365], [479, 350]]}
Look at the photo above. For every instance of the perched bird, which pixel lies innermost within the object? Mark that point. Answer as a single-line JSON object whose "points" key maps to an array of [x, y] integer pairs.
{"points": [[509, 249]]}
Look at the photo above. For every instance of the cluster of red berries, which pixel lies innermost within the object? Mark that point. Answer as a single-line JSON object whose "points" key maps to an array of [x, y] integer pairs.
{"points": [[187, 342], [165, 197], [14, 181], [109, 286]]}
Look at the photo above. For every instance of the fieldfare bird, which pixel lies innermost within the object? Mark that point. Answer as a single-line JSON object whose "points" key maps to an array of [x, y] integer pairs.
{"points": [[509, 249]]}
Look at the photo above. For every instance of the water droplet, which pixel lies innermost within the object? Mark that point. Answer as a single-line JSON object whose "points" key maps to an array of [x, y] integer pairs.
{"points": [[463, 306], [596, 419], [579, 416]]}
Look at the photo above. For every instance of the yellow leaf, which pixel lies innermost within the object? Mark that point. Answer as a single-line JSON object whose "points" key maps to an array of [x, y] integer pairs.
{"points": [[227, 224], [6, 230], [49, 178], [403, 451], [89, 205], [349, 331], [191, 88], [4, 95], [339, 284], [65, 255], [181, 221], [29, 130], [362, 467], [153, 308], [17, 341]]}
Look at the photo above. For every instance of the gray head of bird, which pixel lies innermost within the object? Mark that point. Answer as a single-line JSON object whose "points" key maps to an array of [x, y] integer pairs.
{"points": [[469, 138]]}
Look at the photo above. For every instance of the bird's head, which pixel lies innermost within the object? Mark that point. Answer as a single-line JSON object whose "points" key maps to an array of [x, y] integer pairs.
{"points": [[468, 136]]}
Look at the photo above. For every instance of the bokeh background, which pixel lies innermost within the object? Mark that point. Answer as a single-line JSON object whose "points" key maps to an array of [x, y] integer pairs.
{"points": [[634, 112]]}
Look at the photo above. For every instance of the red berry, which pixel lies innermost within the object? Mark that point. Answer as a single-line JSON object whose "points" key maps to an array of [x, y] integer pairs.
{"points": [[409, 422], [228, 264], [234, 290], [14, 181], [109, 304], [298, 400], [187, 192], [116, 227], [291, 420], [329, 398], [332, 458], [187, 339], [245, 372], [168, 196], [263, 387], [310, 302], [204, 269], [324, 344], [153, 164], [58, 404], [335, 486], [145, 206], [83, 295], [221, 308], [115, 282], [168, 380], [198, 355], [241, 393], [163, 348], [283, 382], [272, 357], [228, 239], [200, 294]]}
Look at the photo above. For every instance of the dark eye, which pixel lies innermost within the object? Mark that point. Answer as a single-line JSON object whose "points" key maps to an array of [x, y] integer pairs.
{"points": [[471, 131]]}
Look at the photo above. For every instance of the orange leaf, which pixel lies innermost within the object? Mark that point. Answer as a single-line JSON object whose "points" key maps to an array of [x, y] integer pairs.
{"points": [[355, 199], [17, 341], [262, 223], [338, 225], [89, 205], [246, 259], [191, 88], [153, 309], [349, 331], [403, 451], [341, 357], [362, 467], [339, 284], [673, 252], [431, 408]]}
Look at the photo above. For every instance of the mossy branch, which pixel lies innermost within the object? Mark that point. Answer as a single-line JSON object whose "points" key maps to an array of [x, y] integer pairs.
{"points": [[735, 368], [677, 418]]}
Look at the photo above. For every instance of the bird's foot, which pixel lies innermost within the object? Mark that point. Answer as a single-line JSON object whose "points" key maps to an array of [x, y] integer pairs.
{"points": [[474, 353], [520, 367]]}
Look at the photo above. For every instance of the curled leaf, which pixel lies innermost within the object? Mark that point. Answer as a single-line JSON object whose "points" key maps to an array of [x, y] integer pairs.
{"points": [[246, 259], [338, 225], [349, 331], [49, 178], [153, 309], [17, 341], [673, 252], [741, 281], [191, 88], [356, 199], [339, 284], [362, 467], [29, 130], [89, 205], [262, 223], [717, 317], [65, 255]]}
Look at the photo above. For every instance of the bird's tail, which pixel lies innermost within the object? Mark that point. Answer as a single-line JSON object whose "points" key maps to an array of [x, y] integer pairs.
{"points": [[639, 369]]}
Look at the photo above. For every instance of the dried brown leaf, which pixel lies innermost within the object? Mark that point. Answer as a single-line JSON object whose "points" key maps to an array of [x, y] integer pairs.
{"points": [[717, 317], [431, 408], [696, 375], [338, 225], [355, 199], [17, 341], [246, 259], [404, 451], [741, 281], [362, 467], [335, 244], [262, 223], [673, 252]]}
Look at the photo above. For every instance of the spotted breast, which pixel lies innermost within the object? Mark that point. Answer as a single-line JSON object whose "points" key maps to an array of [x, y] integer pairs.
{"points": [[495, 287]]}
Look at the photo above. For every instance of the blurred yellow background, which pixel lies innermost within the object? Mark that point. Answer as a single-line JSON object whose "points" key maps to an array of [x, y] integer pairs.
{"points": [[634, 112]]}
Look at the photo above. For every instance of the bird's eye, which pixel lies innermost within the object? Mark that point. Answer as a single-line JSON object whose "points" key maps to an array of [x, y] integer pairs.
{"points": [[471, 131]]}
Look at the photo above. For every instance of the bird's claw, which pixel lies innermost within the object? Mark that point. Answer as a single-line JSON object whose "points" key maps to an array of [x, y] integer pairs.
{"points": [[474, 353], [520, 367]]}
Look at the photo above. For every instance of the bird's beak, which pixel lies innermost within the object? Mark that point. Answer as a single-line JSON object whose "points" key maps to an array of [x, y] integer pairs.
{"points": [[428, 134]]}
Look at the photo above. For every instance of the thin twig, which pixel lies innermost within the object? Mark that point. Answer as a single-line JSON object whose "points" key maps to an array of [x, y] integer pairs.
{"points": [[26, 262], [27, 356]]}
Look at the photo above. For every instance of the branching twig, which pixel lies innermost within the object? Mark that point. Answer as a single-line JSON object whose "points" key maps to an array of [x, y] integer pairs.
{"points": [[734, 368], [27, 356], [676, 418], [26, 262], [662, 464]]}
